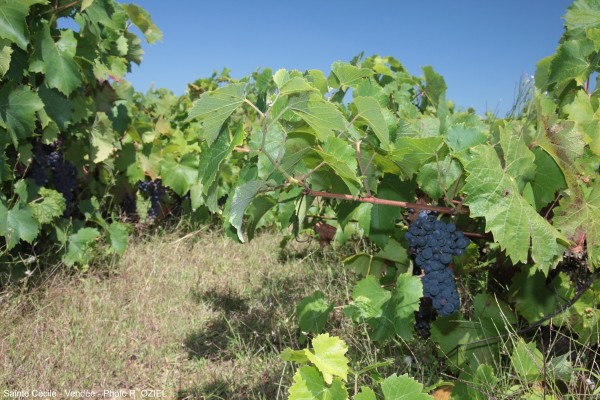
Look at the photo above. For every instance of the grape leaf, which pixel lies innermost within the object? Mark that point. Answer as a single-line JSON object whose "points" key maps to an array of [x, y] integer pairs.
{"points": [[5, 57], [56, 59], [12, 20], [313, 312], [102, 138], [518, 159], [143, 21], [322, 116], [412, 153], [461, 137], [309, 385], [179, 173], [295, 85], [388, 313], [18, 224], [365, 393], [479, 386], [435, 86], [338, 154], [211, 160], [527, 361], [571, 61], [297, 356], [516, 226], [435, 178], [533, 300], [582, 214], [18, 105], [51, 206], [118, 233], [583, 14], [243, 195], [403, 387], [349, 75], [548, 179], [80, 246], [328, 356], [213, 108], [369, 110]]}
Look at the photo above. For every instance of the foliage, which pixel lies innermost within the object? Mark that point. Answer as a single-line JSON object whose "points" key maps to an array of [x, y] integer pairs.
{"points": [[365, 148]]}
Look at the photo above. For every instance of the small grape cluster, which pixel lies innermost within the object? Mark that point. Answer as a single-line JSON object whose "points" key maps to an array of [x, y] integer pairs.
{"points": [[423, 318], [50, 158], [434, 242], [155, 191]]}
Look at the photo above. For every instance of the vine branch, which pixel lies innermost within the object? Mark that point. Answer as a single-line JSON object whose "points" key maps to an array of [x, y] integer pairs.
{"points": [[375, 200]]}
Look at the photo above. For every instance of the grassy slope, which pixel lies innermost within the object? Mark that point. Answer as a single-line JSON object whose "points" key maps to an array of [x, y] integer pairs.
{"points": [[196, 317]]}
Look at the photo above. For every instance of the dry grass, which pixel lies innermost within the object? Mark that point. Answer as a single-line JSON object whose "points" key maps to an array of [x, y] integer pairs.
{"points": [[200, 318]]}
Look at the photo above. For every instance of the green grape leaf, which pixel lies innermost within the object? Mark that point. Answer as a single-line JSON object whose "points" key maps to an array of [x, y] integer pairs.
{"points": [[349, 75], [403, 387], [581, 214], [57, 106], [80, 246], [18, 106], [12, 20], [340, 157], [583, 14], [516, 226], [582, 112], [388, 313], [309, 385], [260, 206], [365, 394], [369, 110], [297, 356], [548, 179], [118, 234], [368, 299], [533, 300], [52, 206], [571, 61], [211, 160], [313, 312], [179, 173], [366, 264], [18, 224], [323, 117], [143, 21], [435, 86], [461, 137], [479, 386], [412, 153], [102, 138], [317, 79], [295, 85], [518, 159], [56, 59], [328, 356], [437, 178], [213, 108], [243, 195], [5, 57], [527, 361]]}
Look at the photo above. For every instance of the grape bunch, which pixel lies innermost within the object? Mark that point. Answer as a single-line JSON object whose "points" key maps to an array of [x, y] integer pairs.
{"points": [[434, 242], [49, 160], [155, 191]]}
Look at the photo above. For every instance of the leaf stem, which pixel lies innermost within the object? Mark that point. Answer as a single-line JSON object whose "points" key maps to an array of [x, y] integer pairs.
{"points": [[262, 115]]}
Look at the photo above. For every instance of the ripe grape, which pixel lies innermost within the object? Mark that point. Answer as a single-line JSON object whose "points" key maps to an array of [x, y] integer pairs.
{"points": [[433, 243]]}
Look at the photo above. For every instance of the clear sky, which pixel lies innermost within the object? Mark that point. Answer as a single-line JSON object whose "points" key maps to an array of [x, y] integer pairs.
{"points": [[481, 47]]}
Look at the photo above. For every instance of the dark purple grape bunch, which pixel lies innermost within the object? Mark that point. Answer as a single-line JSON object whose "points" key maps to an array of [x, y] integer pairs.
{"points": [[155, 191], [49, 161], [433, 243]]}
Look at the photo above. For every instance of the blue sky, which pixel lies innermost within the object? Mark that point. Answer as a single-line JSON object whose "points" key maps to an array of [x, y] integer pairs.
{"points": [[481, 47]]}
